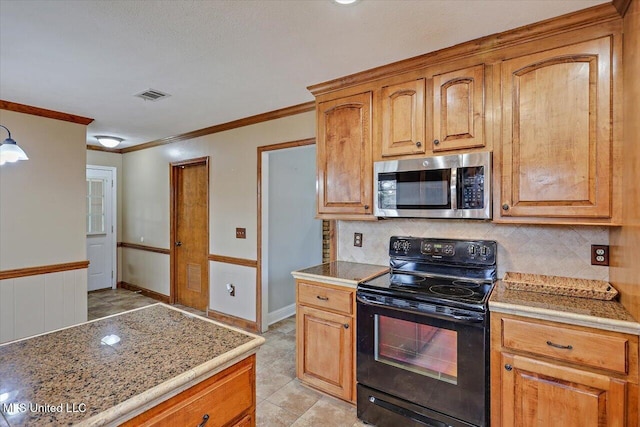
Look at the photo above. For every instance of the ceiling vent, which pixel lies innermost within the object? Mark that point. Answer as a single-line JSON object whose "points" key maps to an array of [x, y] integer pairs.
{"points": [[152, 95]]}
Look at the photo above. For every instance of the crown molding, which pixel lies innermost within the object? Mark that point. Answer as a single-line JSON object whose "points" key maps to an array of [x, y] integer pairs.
{"points": [[42, 112]]}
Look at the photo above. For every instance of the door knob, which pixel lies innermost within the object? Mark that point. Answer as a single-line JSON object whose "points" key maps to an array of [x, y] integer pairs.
{"points": [[178, 243]]}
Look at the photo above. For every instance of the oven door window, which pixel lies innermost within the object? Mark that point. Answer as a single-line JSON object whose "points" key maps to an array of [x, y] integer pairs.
{"points": [[423, 349], [427, 189]]}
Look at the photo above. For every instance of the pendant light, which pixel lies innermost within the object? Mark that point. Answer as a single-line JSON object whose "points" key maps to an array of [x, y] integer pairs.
{"points": [[10, 152]]}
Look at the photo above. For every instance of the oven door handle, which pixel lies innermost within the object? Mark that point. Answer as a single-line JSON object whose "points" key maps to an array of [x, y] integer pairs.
{"points": [[446, 316]]}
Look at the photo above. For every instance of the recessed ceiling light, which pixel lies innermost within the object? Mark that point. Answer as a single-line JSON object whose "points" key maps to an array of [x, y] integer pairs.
{"points": [[345, 1]]}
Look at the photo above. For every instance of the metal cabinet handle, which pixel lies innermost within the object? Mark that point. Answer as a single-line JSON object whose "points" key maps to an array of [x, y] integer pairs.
{"points": [[366, 207], [436, 141], [564, 347], [418, 144], [505, 207], [346, 325], [508, 367], [322, 298], [205, 418]]}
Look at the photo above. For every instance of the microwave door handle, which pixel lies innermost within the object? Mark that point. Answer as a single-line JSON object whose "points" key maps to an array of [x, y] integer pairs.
{"points": [[453, 188]]}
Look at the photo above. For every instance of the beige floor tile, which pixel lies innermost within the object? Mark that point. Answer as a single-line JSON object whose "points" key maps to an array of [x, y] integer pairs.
{"points": [[295, 398], [329, 411], [268, 383], [270, 415]]}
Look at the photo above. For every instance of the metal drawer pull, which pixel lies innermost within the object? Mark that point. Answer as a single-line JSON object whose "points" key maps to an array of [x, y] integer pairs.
{"points": [[322, 298], [346, 325], [564, 347], [205, 418], [508, 367]]}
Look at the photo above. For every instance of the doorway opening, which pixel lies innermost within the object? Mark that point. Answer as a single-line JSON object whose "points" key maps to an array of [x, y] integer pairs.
{"points": [[289, 236], [189, 253], [101, 227]]}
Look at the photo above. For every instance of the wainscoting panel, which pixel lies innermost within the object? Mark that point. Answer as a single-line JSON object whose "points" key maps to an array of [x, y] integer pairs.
{"points": [[41, 303]]}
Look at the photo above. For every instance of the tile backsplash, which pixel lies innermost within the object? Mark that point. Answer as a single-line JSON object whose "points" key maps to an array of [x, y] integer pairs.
{"points": [[540, 249]]}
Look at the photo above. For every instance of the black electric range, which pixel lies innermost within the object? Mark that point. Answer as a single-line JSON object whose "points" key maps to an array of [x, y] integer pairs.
{"points": [[422, 334]]}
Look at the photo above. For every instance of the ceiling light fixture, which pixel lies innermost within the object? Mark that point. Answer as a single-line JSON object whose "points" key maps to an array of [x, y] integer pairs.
{"points": [[109, 141], [10, 152], [345, 2]]}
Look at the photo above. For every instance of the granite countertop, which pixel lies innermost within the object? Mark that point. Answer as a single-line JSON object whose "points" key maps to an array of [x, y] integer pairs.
{"points": [[606, 315], [108, 370], [341, 272]]}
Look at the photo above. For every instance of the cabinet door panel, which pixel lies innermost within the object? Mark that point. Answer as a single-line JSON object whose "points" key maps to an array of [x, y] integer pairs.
{"points": [[536, 393], [458, 109], [556, 155], [325, 351], [344, 155], [403, 118]]}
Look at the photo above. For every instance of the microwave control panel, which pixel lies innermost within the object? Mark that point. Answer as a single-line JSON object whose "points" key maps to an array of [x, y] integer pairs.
{"points": [[471, 181]]}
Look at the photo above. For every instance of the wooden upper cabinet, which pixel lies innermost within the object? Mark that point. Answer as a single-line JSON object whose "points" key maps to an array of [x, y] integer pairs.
{"points": [[556, 152], [458, 109], [345, 169], [403, 118]]}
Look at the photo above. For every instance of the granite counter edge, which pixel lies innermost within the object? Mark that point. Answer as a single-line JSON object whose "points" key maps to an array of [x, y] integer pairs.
{"points": [[349, 283], [168, 389], [566, 317]]}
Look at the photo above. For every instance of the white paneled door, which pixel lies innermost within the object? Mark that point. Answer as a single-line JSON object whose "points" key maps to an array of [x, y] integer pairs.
{"points": [[101, 245]]}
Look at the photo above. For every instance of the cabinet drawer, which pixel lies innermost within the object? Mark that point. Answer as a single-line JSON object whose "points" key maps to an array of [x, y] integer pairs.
{"points": [[581, 347], [324, 297], [223, 398]]}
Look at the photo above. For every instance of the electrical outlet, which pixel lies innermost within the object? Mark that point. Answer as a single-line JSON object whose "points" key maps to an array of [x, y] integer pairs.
{"points": [[241, 233], [357, 239], [599, 254]]}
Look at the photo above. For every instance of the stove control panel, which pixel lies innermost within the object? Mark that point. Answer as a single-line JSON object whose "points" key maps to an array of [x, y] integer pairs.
{"points": [[477, 252]]}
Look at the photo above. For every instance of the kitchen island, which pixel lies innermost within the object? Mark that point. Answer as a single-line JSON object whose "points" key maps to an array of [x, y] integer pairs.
{"points": [[144, 364]]}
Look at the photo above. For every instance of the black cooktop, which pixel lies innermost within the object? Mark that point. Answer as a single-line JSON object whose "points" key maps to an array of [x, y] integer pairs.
{"points": [[455, 273], [446, 291]]}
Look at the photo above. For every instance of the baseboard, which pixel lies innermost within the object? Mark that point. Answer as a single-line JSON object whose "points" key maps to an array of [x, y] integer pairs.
{"points": [[238, 322], [146, 292], [281, 313]]}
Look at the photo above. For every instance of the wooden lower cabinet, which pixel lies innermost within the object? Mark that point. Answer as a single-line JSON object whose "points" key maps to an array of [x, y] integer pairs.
{"points": [[544, 374], [325, 341], [535, 393], [226, 399]]}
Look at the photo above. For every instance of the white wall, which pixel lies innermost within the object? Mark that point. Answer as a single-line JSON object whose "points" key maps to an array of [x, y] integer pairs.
{"points": [[42, 200], [233, 202], [550, 250], [42, 222], [295, 236]]}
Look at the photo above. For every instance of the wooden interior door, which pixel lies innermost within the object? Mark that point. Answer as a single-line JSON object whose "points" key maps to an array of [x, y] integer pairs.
{"points": [[190, 252]]}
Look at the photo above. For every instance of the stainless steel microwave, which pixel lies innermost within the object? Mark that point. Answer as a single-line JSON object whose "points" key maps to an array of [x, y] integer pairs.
{"points": [[454, 186]]}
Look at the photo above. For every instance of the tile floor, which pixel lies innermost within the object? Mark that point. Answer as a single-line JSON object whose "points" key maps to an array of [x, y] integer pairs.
{"points": [[281, 400]]}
